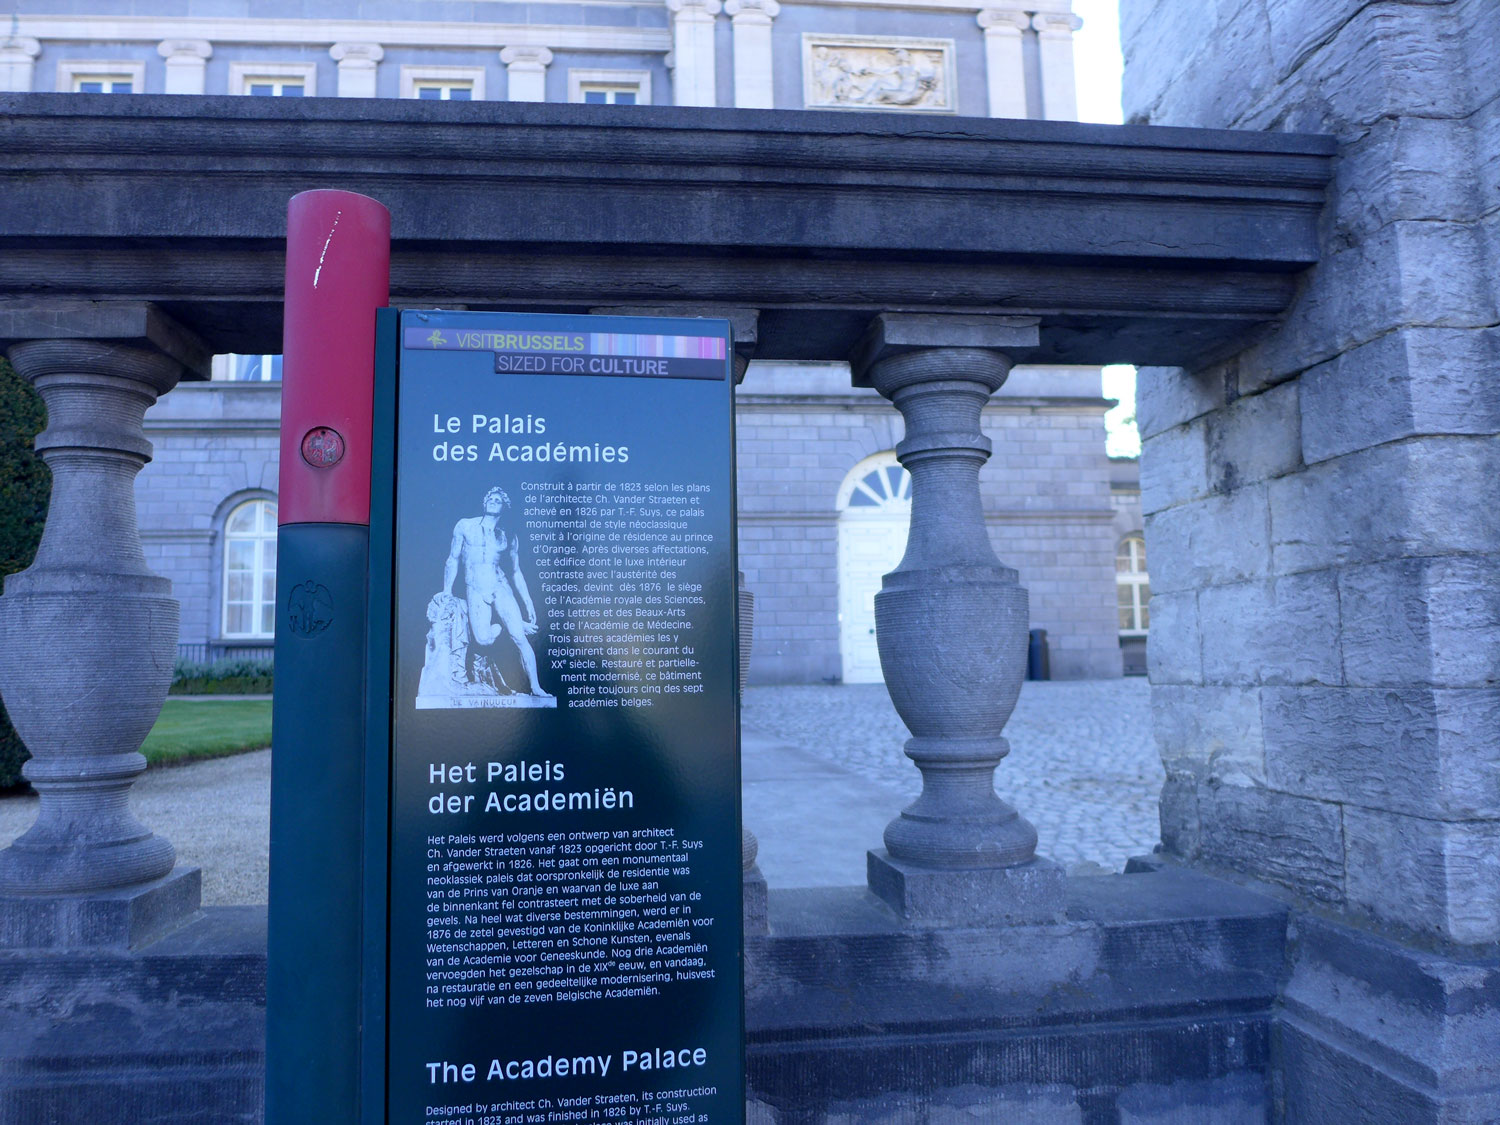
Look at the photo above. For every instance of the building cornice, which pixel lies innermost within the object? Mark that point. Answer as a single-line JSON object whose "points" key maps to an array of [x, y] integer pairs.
{"points": [[323, 33]]}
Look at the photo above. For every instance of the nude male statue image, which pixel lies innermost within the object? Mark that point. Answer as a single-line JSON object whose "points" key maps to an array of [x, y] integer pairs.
{"points": [[470, 637]]}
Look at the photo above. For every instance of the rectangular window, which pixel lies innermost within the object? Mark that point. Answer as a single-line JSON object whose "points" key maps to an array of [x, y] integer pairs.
{"points": [[445, 91], [273, 89], [273, 80], [443, 83], [609, 95], [103, 76], [103, 85], [609, 87]]}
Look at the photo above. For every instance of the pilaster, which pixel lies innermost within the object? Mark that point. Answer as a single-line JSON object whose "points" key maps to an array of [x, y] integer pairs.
{"points": [[694, 79], [1004, 60], [357, 67], [526, 71], [18, 63], [753, 86], [1055, 41], [187, 64]]}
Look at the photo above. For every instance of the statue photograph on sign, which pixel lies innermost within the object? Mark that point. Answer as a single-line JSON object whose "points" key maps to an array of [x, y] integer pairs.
{"points": [[478, 646]]}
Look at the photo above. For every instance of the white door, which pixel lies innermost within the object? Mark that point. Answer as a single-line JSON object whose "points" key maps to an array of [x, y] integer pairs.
{"points": [[875, 511]]}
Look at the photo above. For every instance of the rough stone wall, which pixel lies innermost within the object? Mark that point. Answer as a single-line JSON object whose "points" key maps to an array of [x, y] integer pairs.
{"points": [[1322, 509]]}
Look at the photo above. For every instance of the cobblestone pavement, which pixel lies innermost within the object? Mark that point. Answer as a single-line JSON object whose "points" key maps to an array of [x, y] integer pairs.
{"points": [[1082, 767]]}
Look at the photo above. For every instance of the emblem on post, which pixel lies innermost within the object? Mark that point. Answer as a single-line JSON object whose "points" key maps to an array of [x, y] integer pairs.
{"points": [[322, 447]]}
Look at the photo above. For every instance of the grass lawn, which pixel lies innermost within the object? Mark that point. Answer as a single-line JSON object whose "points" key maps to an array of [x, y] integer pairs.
{"points": [[190, 730]]}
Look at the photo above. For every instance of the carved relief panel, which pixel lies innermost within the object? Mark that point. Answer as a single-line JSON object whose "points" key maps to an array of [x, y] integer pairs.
{"points": [[878, 72]]}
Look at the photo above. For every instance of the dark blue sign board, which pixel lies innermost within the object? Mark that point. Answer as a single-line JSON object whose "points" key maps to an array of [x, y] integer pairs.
{"points": [[554, 701]]}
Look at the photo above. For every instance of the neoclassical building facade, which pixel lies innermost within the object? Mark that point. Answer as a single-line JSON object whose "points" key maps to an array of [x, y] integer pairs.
{"points": [[822, 501]]}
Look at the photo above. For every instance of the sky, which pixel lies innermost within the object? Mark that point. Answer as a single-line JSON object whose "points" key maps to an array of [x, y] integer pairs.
{"points": [[1097, 65]]}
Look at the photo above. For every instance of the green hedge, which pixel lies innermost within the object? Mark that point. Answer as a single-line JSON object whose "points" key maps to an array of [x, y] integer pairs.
{"points": [[25, 485], [222, 677]]}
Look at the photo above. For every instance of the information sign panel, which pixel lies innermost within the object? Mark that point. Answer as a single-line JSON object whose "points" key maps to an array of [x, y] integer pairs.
{"points": [[564, 936]]}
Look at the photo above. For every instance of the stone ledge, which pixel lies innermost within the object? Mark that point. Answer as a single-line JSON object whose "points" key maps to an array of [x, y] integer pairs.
{"points": [[127, 918], [1029, 894]]}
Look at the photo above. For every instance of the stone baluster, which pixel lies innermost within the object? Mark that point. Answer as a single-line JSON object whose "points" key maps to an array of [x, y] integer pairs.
{"points": [[951, 627], [88, 637], [756, 920]]}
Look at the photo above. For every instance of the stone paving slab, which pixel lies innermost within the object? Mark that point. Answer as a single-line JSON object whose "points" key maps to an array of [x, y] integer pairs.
{"points": [[823, 773], [1083, 765]]}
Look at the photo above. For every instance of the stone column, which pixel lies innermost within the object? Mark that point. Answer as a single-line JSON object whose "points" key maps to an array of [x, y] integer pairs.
{"points": [[88, 636], [752, 52], [951, 627], [694, 80], [187, 65], [357, 66], [1055, 39], [1004, 63], [526, 73], [18, 63]]}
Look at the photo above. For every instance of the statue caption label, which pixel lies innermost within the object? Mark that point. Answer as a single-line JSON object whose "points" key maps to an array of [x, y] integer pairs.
{"points": [[565, 933]]}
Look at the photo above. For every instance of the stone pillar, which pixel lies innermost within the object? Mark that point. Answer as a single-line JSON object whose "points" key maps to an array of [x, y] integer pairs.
{"points": [[1004, 63], [357, 64], [187, 65], [88, 636], [694, 81], [18, 63], [752, 52], [526, 73], [951, 626], [1055, 38]]}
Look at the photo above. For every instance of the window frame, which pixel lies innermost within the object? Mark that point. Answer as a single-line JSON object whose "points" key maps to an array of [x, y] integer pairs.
{"points": [[580, 77], [72, 71], [413, 74], [1135, 578], [242, 73], [260, 538]]}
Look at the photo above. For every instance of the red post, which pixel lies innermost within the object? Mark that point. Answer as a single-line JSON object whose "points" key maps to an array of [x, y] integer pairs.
{"points": [[338, 272]]}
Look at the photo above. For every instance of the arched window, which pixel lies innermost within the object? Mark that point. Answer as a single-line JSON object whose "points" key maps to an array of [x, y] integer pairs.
{"points": [[250, 570], [1133, 587]]}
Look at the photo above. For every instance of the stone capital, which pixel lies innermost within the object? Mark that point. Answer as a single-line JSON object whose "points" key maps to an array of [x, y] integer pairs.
{"points": [[526, 58], [892, 334], [1004, 21], [355, 53], [185, 49], [19, 47], [114, 322], [694, 9], [752, 11], [1058, 25]]}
